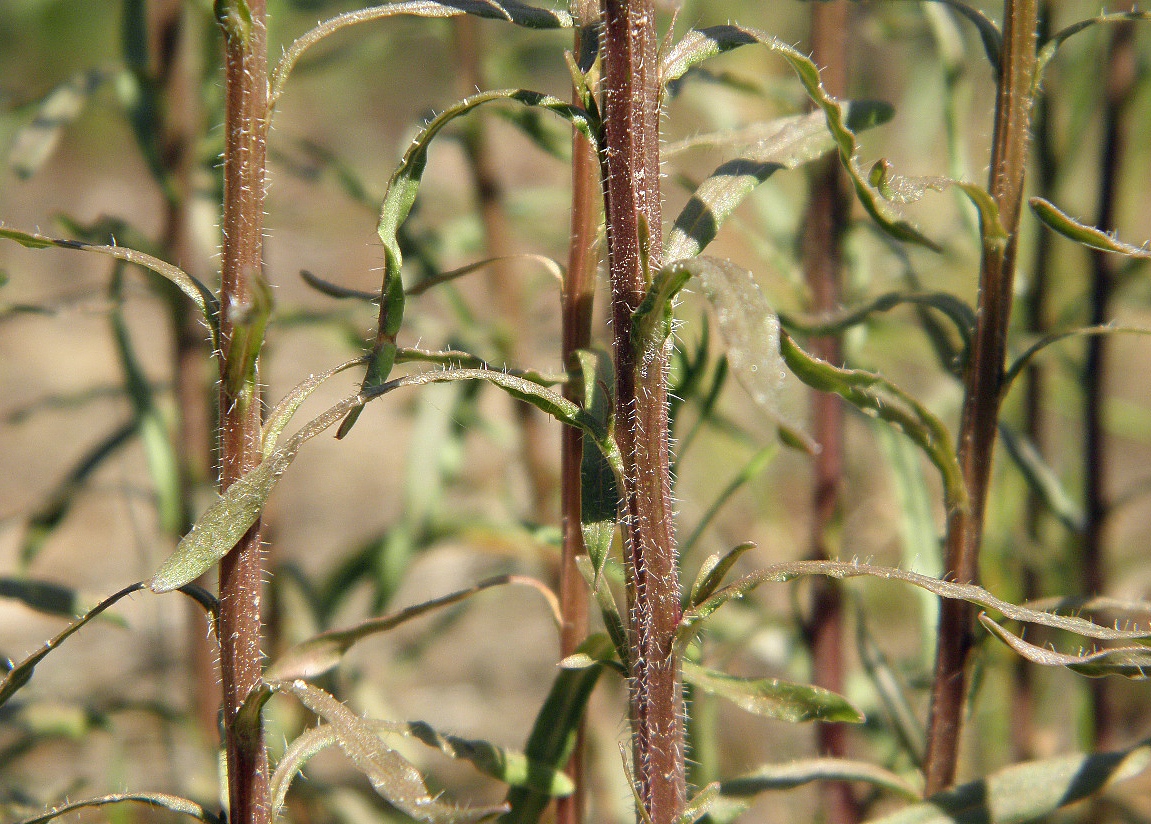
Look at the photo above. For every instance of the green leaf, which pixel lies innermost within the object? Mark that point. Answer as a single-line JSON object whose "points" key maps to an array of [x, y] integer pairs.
{"points": [[554, 733], [322, 653], [749, 327], [700, 44], [892, 689], [773, 698], [1041, 479], [248, 723], [782, 144], [700, 804], [197, 292], [392, 776], [1025, 792], [161, 800], [599, 494], [879, 398], [806, 770], [1132, 662], [45, 596], [713, 571], [780, 573], [510, 10], [988, 32], [1021, 362], [1088, 236], [608, 608], [34, 144], [249, 322], [278, 418], [20, 674], [1048, 49], [226, 521]]}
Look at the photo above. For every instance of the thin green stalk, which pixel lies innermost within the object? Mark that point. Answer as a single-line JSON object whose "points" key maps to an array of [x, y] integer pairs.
{"points": [[577, 310], [828, 211], [1119, 83], [631, 177], [982, 381], [244, 23]]}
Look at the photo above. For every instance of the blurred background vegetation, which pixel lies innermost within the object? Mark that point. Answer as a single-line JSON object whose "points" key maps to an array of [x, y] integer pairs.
{"points": [[438, 489]]}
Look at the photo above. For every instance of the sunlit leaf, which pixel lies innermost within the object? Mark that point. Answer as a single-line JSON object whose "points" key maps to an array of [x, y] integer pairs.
{"points": [[392, 776], [197, 292], [700, 44], [784, 144], [35, 143], [1088, 236], [772, 697], [1132, 662], [20, 674], [713, 571], [1025, 792], [322, 653], [161, 800], [806, 770], [609, 609], [281, 415], [780, 573], [700, 804]]}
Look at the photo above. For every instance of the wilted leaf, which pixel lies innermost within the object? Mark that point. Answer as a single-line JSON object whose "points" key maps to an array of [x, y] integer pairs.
{"points": [[1130, 662], [1088, 236], [162, 800], [34, 143], [322, 653], [772, 697], [1025, 792], [805, 770], [782, 144], [19, 675], [197, 292], [392, 776]]}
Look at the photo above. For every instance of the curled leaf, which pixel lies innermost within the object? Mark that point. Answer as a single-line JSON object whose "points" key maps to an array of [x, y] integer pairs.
{"points": [[1089, 236], [1048, 49], [1132, 662]]}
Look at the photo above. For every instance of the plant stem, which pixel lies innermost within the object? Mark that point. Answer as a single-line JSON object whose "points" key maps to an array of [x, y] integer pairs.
{"points": [[632, 196], [578, 300], [1118, 86], [982, 382], [828, 210], [245, 128]]}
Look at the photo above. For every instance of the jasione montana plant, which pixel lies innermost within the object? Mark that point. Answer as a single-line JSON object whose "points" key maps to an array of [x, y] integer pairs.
{"points": [[618, 519]]}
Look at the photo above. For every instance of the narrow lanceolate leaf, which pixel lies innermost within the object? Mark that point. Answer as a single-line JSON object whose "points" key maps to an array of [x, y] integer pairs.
{"points": [[161, 800], [780, 573], [279, 417], [1132, 662], [391, 775], [748, 325], [773, 698], [45, 596], [599, 494], [401, 196], [35, 143], [20, 674], [1025, 792], [322, 653], [806, 770], [879, 398], [713, 571], [1048, 49], [226, 521], [1089, 236], [1042, 480], [512, 11], [988, 32], [700, 804], [1021, 362], [749, 472], [785, 144], [700, 44], [555, 731], [609, 609], [198, 293]]}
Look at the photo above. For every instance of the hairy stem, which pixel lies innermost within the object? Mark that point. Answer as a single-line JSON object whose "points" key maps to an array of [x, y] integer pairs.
{"points": [[245, 128], [1119, 83], [632, 196], [578, 298], [828, 210], [982, 381]]}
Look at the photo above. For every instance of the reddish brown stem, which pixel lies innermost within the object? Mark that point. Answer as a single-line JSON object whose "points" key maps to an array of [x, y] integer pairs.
{"points": [[578, 298], [1118, 86], [632, 196], [826, 220], [245, 128], [982, 381]]}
